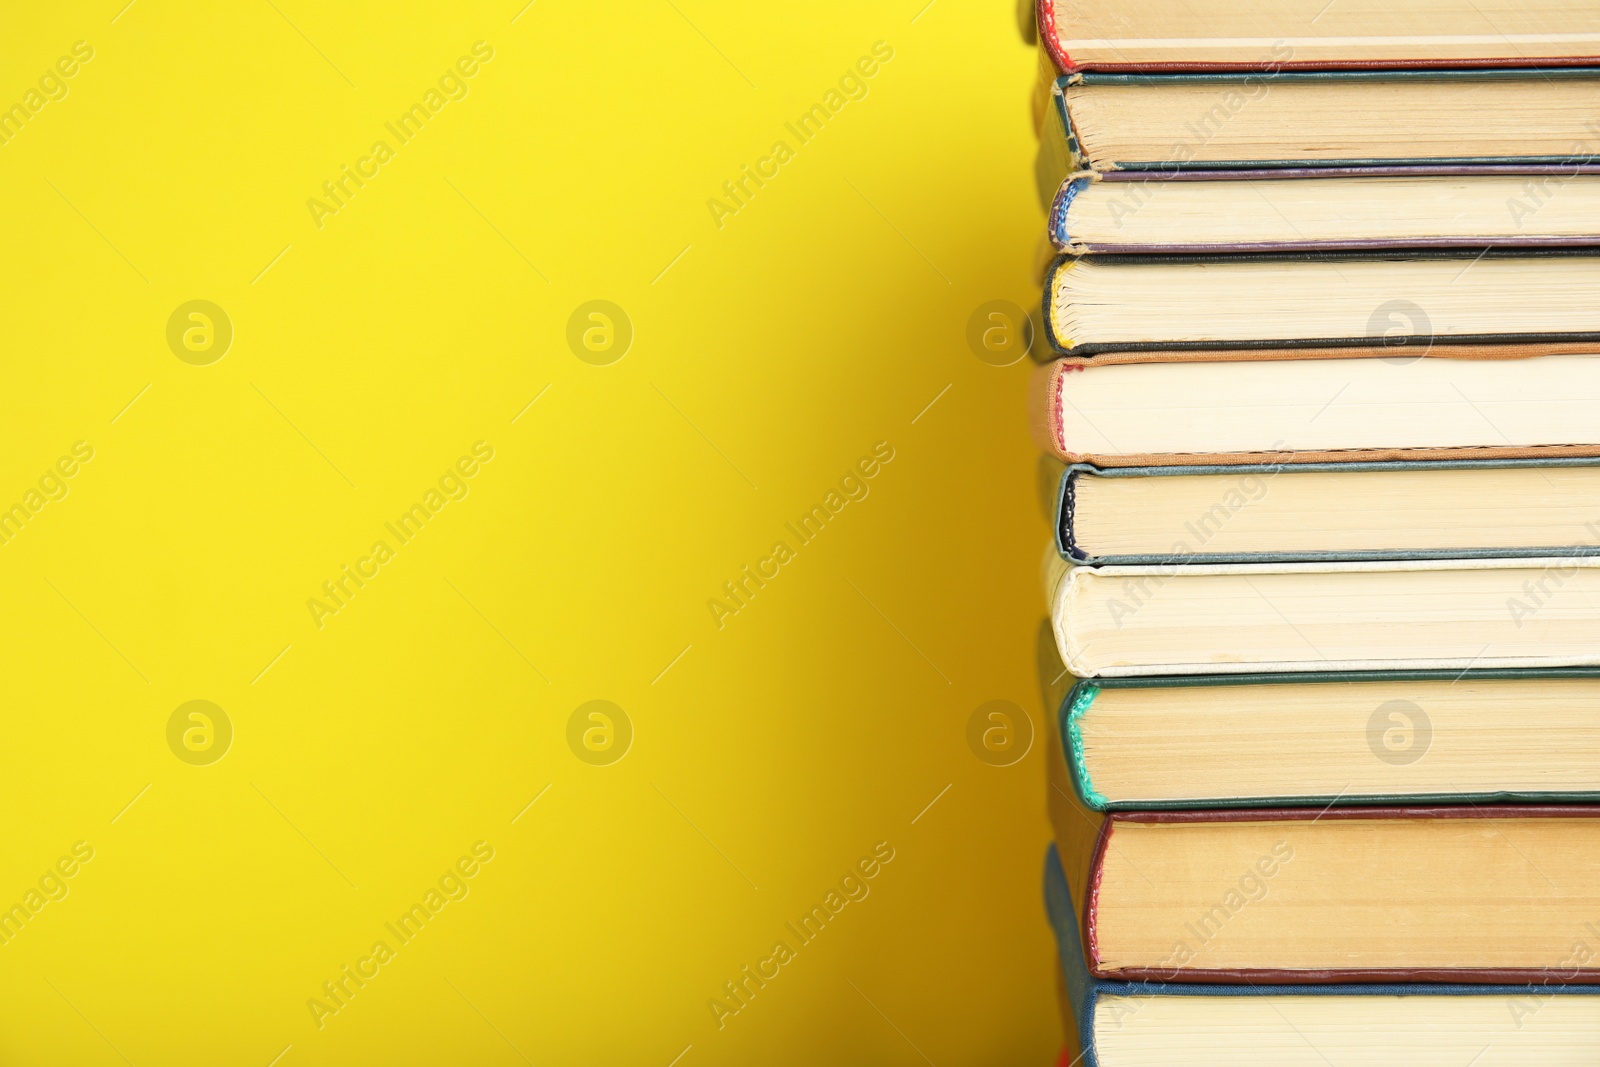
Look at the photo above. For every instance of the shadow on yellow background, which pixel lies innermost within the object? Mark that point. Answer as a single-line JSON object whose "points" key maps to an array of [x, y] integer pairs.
{"points": [[299, 430]]}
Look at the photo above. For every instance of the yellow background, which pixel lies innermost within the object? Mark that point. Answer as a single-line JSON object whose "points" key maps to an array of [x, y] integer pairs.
{"points": [[769, 355]]}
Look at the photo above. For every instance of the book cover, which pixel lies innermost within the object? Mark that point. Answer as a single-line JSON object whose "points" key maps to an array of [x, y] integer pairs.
{"points": [[1195, 550], [1307, 35], [1292, 618], [1074, 410], [1062, 182], [1063, 144], [1076, 772], [1182, 966], [1438, 333], [1084, 992]]}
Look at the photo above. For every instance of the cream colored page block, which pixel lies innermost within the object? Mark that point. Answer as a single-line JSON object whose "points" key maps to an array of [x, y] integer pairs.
{"points": [[1333, 511], [1132, 408], [1442, 614], [1328, 120], [1259, 31], [1349, 894], [1354, 209], [1336, 739], [1348, 1031], [1241, 300]]}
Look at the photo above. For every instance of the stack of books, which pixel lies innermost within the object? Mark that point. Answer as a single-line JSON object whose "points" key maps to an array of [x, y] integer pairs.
{"points": [[1324, 634]]}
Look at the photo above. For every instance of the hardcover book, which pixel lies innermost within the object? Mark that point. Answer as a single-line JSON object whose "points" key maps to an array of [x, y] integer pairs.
{"points": [[1307, 896], [1199, 211], [1117, 1022], [1165, 123], [1311, 405], [1240, 618], [1095, 304], [1278, 513], [1115, 35], [1377, 737]]}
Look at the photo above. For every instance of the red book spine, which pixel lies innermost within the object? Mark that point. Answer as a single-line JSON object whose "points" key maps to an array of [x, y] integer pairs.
{"points": [[1046, 10]]}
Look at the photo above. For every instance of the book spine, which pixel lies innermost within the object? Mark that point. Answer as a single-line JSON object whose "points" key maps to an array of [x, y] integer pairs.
{"points": [[1058, 159], [1081, 988], [1067, 514], [1045, 11], [1072, 712], [1060, 234], [1067, 131], [1044, 408], [1063, 345], [1091, 898]]}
